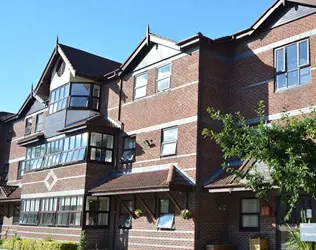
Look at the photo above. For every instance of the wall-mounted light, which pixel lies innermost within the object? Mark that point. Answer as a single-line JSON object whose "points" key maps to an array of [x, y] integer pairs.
{"points": [[148, 143]]}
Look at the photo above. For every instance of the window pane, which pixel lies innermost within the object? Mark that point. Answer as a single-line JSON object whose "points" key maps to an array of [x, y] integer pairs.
{"points": [[164, 206], [164, 71], [92, 203], [96, 90], [66, 144], [95, 154], [141, 80], [140, 92], [96, 139], [107, 141], [292, 78], [103, 219], [92, 219], [291, 57], [128, 155], [281, 81], [80, 89], [170, 135], [129, 142], [63, 218], [75, 155], [104, 204], [305, 75], [165, 221], [250, 221], [81, 154], [95, 103], [169, 148], [78, 141], [69, 156], [250, 206], [303, 53], [108, 156], [279, 60], [125, 220], [84, 140], [79, 101], [163, 84], [72, 142]]}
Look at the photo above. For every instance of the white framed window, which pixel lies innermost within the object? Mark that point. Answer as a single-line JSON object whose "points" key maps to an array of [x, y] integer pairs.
{"points": [[292, 65], [250, 214], [163, 77], [140, 85], [169, 141], [166, 214]]}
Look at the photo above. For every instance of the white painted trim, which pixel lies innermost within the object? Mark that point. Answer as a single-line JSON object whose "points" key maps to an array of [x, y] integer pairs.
{"points": [[164, 61], [58, 179], [76, 129], [168, 232], [267, 15], [150, 190], [280, 43], [164, 42], [55, 137], [161, 246], [189, 43], [55, 228], [38, 112], [115, 122], [49, 233], [62, 167], [164, 125], [17, 139], [160, 238], [258, 83], [164, 158], [189, 169], [151, 168], [54, 194], [277, 116], [228, 190], [313, 68], [156, 94], [64, 57], [16, 159]]}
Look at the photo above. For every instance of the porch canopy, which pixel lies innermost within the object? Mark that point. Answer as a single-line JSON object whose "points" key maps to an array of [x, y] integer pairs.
{"points": [[10, 196], [144, 181], [224, 181]]}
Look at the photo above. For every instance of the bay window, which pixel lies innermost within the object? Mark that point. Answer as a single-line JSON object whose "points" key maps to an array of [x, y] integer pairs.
{"points": [[58, 99], [101, 147], [292, 65], [48, 211], [69, 211], [85, 95], [97, 211], [250, 214], [169, 141], [29, 211]]}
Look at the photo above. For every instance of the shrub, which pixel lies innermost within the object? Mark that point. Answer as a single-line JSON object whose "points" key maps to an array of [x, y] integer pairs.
{"points": [[27, 244]]}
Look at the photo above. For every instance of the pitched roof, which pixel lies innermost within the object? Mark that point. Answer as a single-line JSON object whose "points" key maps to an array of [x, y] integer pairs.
{"points": [[151, 181], [87, 64], [222, 178], [97, 120], [4, 115], [11, 193], [263, 17]]}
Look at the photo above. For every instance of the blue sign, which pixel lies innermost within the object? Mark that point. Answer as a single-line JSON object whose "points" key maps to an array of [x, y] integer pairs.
{"points": [[308, 232]]}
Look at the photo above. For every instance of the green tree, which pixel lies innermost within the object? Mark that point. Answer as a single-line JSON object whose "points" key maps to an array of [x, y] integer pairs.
{"points": [[288, 148]]}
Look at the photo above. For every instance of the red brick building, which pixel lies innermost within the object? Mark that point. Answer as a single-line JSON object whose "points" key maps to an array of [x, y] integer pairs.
{"points": [[97, 141]]}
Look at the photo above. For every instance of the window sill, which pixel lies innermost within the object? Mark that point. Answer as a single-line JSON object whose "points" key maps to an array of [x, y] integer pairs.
{"points": [[166, 156], [280, 91]]}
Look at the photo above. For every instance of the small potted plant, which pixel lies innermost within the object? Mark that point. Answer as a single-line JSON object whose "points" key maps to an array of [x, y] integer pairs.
{"points": [[138, 213], [186, 214]]}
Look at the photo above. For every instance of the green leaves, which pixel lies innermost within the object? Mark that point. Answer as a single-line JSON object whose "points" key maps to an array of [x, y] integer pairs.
{"points": [[287, 146]]}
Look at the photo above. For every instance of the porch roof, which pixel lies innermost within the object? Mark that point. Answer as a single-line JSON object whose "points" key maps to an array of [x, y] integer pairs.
{"points": [[223, 179], [10, 193], [162, 180]]}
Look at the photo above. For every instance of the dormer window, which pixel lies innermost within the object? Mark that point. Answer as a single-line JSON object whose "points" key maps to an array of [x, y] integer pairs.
{"points": [[85, 96]]}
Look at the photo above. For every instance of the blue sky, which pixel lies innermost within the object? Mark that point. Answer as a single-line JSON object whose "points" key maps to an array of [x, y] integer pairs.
{"points": [[110, 29]]}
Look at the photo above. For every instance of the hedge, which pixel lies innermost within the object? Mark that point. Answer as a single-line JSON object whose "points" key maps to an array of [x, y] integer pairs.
{"points": [[26, 244]]}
